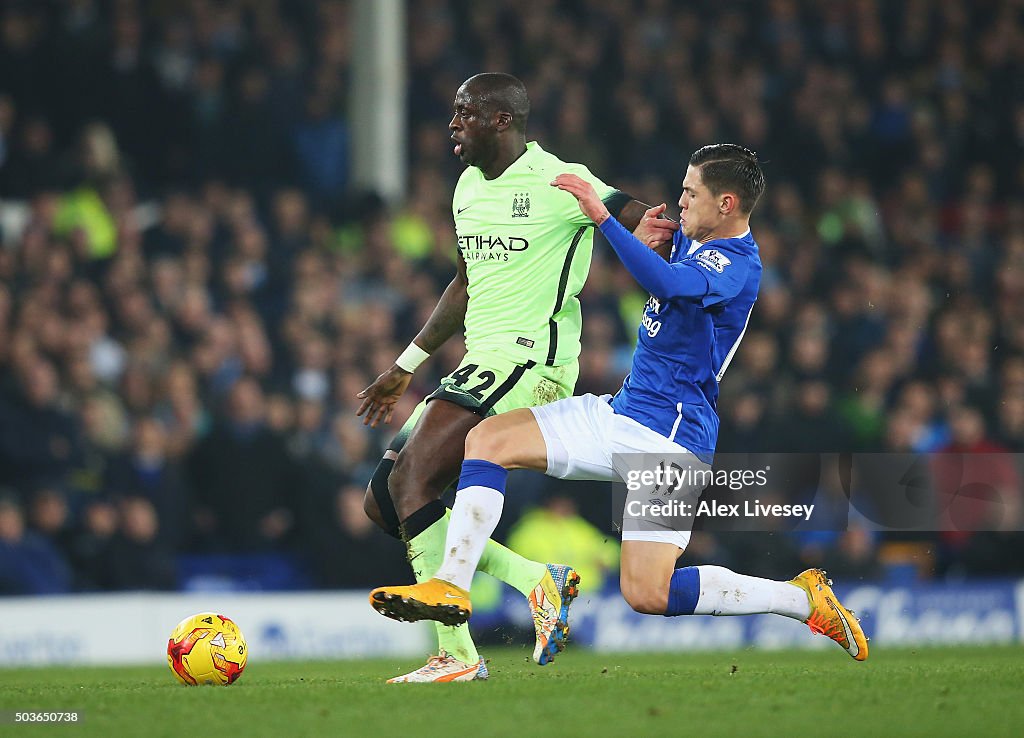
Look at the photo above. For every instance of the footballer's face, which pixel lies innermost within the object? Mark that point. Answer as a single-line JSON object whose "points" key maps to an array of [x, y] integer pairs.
{"points": [[699, 210], [473, 129]]}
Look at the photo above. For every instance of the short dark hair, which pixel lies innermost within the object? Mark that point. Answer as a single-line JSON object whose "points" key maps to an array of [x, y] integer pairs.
{"points": [[498, 92], [730, 168]]}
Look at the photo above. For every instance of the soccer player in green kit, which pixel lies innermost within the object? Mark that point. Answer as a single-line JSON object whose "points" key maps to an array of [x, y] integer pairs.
{"points": [[524, 254]]}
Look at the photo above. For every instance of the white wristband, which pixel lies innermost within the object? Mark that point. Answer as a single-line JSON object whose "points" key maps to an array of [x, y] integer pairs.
{"points": [[411, 358]]}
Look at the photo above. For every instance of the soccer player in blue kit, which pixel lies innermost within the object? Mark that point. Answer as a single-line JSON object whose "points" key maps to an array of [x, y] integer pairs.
{"points": [[700, 302]]}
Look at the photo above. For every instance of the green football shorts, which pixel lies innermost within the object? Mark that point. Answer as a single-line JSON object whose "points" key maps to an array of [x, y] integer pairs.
{"points": [[487, 384]]}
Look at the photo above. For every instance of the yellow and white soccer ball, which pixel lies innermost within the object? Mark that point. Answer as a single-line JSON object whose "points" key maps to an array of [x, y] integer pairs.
{"points": [[207, 649]]}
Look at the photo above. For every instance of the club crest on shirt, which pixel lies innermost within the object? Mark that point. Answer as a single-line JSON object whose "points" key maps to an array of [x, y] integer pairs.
{"points": [[713, 259], [521, 205]]}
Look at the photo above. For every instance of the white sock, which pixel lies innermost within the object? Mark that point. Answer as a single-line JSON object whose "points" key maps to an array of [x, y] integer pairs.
{"points": [[724, 592], [475, 515]]}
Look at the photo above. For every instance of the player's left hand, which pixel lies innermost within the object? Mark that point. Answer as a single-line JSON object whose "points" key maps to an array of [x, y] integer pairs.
{"points": [[653, 230], [380, 397], [585, 193]]}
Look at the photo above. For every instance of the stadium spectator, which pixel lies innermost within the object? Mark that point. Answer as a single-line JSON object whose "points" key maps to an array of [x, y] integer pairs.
{"points": [[39, 442], [146, 472], [138, 558], [978, 483], [29, 562], [91, 550], [344, 546], [49, 515], [243, 480]]}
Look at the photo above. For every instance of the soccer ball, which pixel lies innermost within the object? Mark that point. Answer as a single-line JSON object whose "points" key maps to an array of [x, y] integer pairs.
{"points": [[206, 649]]}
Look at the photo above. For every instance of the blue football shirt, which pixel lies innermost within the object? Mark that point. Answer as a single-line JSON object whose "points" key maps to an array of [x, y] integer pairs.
{"points": [[692, 325]]}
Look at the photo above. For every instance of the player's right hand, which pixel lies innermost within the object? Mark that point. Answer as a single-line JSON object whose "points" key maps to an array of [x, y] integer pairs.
{"points": [[653, 230], [380, 397]]}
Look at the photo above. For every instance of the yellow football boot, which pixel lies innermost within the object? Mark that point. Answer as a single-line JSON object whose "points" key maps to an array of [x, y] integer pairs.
{"points": [[828, 617], [434, 599], [549, 606]]}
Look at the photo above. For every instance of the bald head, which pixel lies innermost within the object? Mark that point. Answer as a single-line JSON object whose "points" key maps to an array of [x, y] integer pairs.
{"points": [[496, 92]]}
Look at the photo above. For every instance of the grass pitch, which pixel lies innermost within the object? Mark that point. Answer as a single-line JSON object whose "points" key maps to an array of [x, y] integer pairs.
{"points": [[924, 692]]}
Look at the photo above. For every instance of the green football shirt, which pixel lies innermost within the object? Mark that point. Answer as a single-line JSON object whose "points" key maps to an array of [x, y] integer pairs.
{"points": [[527, 248]]}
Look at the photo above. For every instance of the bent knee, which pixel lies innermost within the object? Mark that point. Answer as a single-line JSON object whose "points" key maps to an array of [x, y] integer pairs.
{"points": [[483, 442], [401, 478], [413, 478], [645, 597], [371, 508]]}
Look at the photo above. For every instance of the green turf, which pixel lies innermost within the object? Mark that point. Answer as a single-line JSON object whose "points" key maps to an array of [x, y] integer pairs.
{"points": [[926, 692]]}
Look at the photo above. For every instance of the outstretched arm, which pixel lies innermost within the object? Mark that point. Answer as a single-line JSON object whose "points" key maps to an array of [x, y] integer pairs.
{"points": [[448, 316], [661, 279]]}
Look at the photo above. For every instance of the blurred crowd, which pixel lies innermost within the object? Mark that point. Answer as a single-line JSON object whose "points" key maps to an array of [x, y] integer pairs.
{"points": [[192, 294]]}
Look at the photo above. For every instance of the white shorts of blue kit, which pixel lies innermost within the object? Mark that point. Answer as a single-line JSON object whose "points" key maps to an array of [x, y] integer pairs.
{"points": [[586, 439]]}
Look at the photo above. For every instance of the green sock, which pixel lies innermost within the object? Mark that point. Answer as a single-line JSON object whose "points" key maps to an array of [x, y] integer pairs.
{"points": [[508, 566], [426, 552]]}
